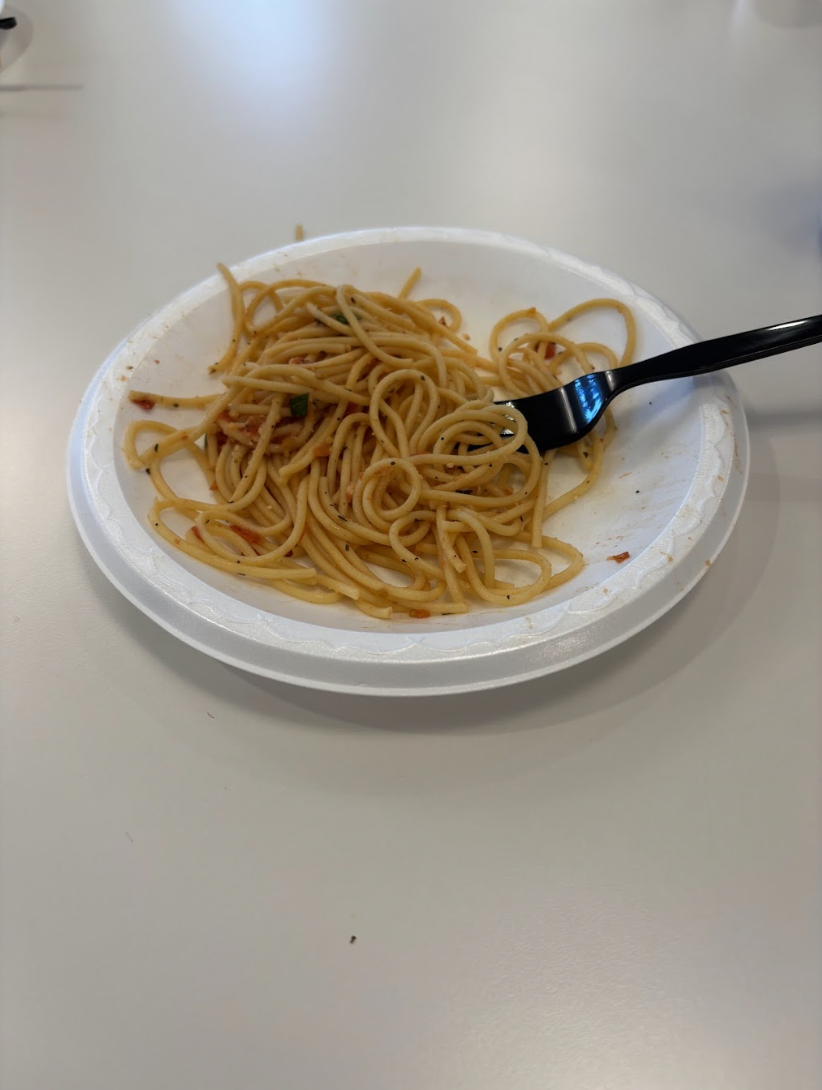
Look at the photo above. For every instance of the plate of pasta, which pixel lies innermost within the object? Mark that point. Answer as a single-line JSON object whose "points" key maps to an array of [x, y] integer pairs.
{"points": [[301, 466]]}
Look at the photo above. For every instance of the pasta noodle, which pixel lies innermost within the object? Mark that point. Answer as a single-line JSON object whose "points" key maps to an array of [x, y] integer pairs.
{"points": [[355, 450]]}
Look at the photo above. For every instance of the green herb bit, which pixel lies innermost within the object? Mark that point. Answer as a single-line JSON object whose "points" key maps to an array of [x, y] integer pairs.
{"points": [[299, 405]]}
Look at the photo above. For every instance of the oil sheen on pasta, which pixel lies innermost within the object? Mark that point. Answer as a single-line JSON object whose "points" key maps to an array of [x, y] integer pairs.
{"points": [[355, 451]]}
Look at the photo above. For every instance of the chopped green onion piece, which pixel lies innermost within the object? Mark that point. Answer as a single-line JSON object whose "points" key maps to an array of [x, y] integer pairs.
{"points": [[299, 405], [339, 318]]}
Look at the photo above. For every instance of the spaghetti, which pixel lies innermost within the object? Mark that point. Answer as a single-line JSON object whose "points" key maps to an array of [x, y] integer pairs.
{"points": [[355, 450]]}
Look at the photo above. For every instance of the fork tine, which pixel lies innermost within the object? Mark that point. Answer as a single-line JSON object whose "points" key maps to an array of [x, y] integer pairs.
{"points": [[560, 417]]}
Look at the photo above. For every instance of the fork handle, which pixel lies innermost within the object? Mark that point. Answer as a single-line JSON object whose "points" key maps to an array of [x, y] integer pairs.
{"points": [[707, 356]]}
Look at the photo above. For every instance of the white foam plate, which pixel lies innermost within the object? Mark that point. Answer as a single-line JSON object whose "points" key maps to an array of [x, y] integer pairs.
{"points": [[670, 493]]}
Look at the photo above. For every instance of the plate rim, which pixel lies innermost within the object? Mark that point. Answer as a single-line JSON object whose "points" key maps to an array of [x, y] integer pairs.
{"points": [[481, 650]]}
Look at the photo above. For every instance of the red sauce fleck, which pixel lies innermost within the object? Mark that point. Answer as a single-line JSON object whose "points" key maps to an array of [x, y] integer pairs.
{"points": [[213, 487], [619, 557], [550, 350], [322, 450], [145, 403], [196, 532], [251, 536], [419, 614]]}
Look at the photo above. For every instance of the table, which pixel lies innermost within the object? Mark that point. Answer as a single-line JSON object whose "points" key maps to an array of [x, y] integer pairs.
{"points": [[610, 878]]}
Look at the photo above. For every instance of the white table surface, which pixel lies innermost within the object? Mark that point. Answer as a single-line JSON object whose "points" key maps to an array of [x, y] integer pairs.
{"points": [[610, 878]]}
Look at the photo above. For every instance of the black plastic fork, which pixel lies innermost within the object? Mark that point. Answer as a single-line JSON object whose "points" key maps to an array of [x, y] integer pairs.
{"points": [[559, 417]]}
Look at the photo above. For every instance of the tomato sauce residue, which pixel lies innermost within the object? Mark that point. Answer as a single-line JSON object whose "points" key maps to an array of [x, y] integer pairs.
{"points": [[420, 614], [322, 450], [619, 557], [196, 532], [145, 403], [251, 536]]}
